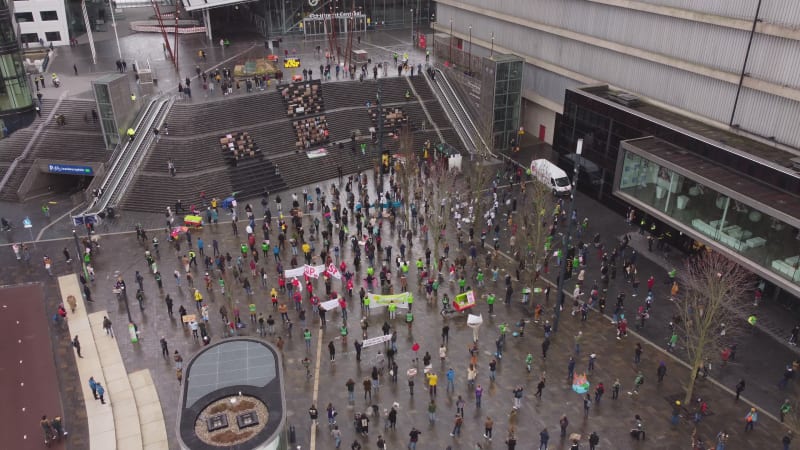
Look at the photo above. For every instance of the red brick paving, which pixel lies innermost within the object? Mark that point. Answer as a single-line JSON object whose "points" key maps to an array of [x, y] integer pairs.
{"points": [[27, 368]]}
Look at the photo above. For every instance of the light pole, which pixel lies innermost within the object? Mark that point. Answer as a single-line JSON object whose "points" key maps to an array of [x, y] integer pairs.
{"points": [[469, 52], [412, 27], [566, 241], [492, 52], [451, 41], [114, 26]]}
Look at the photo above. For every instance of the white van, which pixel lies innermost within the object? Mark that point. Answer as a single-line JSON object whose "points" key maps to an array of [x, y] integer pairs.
{"points": [[551, 175]]}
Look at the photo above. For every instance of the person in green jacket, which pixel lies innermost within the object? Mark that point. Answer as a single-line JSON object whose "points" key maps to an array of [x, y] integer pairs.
{"points": [[490, 299]]}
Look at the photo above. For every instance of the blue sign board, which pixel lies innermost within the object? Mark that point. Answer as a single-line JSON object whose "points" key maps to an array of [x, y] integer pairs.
{"points": [[67, 169], [84, 220]]}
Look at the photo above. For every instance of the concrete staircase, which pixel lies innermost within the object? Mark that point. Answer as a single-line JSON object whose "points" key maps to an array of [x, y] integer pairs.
{"points": [[195, 129]]}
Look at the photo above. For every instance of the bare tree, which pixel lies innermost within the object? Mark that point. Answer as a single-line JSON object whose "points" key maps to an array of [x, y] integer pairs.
{"points": [[406, 172], [442, 184], [478, 179], [711, 309], [536, 204]]}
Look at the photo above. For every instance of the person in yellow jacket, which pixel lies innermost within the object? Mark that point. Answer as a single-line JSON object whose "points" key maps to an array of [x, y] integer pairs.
{"points": [[198, 299]]}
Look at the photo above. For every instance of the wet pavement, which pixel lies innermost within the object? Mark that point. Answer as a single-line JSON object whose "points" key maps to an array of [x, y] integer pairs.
{"points": [[120, 252]]}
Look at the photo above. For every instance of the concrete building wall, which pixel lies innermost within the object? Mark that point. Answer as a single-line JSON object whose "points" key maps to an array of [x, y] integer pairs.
{"points": [[686, 54], [535, 116], [44, 29]]}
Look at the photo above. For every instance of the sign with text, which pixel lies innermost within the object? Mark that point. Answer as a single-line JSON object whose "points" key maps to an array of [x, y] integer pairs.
{"points": [[68, 169], [291, 63]]}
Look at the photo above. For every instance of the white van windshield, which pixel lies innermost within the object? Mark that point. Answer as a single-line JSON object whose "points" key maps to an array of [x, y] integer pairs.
{"points": [[562, 182]]}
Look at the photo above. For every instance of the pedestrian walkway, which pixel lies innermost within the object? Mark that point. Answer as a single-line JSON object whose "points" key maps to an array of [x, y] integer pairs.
{"points": [[118, 386], [102, 430], [132, 416], [151, 417]]}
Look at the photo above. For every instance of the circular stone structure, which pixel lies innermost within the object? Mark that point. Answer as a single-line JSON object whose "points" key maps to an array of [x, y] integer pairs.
{"points": [[233, 397]]}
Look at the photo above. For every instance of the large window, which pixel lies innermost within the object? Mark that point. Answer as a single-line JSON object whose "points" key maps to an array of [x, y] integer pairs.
{"points": [[733, 223], [49, 15], [27, 38], [52, 36], [24, 16]]}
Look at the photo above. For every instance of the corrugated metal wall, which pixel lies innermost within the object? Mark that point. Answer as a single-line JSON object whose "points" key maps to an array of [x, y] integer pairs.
{"points": [[712, 46], [547, 84], [772, 59], [775, 59], [769, 115], [739, 9]]}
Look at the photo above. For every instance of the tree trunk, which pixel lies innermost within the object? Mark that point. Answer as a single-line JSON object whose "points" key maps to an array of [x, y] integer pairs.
{"points": [[687, 400]]}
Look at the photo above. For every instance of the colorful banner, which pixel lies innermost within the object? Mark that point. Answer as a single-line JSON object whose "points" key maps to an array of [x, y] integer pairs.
{"points": [[333, 271], [401, 300], [464, 301]]}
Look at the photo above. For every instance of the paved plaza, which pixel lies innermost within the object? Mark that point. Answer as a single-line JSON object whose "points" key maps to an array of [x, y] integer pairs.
{"points": [[761, 357]]}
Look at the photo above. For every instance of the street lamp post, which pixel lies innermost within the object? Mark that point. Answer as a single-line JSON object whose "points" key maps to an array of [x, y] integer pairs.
{"points": [[492, 52], [451, 41], [469, 52], [114, 26], [412, 27], [566, 240]]}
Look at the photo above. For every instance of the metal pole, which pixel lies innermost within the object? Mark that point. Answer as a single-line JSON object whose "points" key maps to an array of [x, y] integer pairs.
{"points": [[566, 241], [492, 52], [469, 54], [412, 27], [114, 25], [451, 40], [78, 249], [380, 135]]}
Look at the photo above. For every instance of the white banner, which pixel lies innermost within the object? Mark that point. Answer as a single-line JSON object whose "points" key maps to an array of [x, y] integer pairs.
{"points": [[474, 321], [330, 304], [309, 271], [376, 340]]}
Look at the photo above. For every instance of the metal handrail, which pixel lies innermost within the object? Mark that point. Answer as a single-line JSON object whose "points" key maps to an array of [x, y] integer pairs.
{"points": [[141, 143], [453, 116], [141, 150], [441, 76], [123, 158]]}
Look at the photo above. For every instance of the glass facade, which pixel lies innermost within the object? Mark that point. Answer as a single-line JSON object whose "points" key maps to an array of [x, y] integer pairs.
{"points": [[286, 16], [732, 221], [16, 102]]}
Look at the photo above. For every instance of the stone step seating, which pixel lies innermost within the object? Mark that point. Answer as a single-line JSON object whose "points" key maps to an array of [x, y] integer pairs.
{"points": [[77, 113], [298, 170], [151, 417], [14, 145], [152, 192], [353, 93], [230, 113], [251, 180], [77, 146], [188, 154], [9, 192], [422, 88]]}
